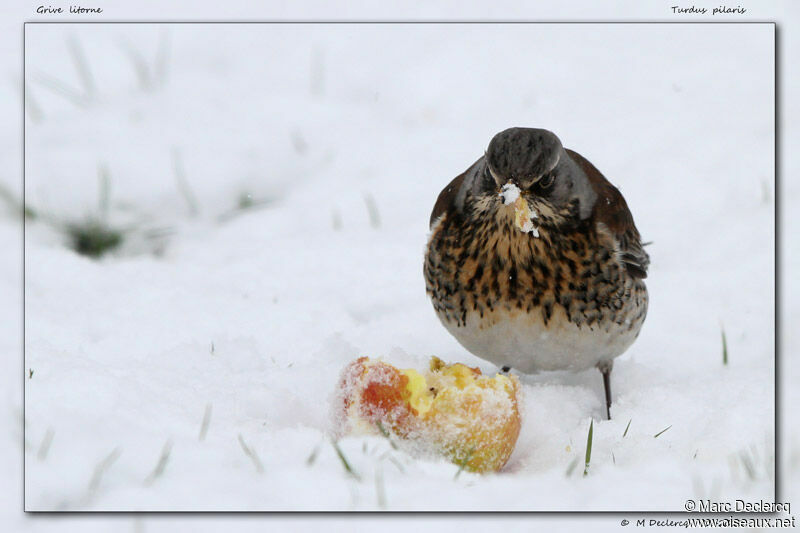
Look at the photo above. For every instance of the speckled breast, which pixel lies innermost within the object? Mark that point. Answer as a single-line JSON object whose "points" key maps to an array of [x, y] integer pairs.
{"points": [[559, 301]]}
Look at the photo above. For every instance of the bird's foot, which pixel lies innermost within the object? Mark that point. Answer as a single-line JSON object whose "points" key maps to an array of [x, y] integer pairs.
{"points": [[605, 369]]}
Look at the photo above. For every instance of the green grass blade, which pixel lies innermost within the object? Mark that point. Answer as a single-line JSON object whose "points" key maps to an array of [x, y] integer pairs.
{"points": [[101, 468], [748, 465], [313, 456], [205, 423], [344, 461], [248, 451], [163, 459], [386, 434], [662, 431], [44, 447], [372, 211], [627, 427], [588, 458], [572, 466], [724, 347]]}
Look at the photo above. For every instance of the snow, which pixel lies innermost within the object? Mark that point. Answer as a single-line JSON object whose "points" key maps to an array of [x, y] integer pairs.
{"points": [[344, 135], [509, 192]]}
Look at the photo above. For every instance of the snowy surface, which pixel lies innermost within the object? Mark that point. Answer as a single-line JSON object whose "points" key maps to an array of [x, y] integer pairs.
{"points": [[343, 136]]}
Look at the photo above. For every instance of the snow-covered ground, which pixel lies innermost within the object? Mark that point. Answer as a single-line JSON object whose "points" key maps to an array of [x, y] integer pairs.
{"points": [[342, 136]]}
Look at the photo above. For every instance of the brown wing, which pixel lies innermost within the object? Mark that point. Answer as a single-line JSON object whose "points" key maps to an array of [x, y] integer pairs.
{"points": [[612, 210], [447, 198]]}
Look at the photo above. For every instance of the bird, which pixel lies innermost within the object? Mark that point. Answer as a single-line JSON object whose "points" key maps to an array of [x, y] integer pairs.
{"points": [[533, 260]]}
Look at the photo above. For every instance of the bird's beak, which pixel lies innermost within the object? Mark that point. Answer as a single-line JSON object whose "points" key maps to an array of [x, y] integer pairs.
{"points": [[523, 214]]}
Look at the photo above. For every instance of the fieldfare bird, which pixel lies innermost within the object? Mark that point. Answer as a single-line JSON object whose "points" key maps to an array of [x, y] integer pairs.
{"points": [[534, 261]]}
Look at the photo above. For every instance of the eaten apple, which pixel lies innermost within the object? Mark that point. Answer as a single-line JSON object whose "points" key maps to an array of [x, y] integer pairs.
{"points": [[453, 410]]}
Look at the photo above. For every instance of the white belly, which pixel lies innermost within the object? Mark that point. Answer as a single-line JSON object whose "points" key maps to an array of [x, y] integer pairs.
{"points": [[523, 342]]}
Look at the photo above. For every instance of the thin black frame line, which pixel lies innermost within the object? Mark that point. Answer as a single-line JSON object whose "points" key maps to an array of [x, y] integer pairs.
{"points": [[777, 487]]}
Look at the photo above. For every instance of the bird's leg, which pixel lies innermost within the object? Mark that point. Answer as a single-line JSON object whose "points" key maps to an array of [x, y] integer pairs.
{"points": [[605, 368]]}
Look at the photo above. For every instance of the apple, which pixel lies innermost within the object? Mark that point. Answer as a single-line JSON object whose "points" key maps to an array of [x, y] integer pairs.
{"points": [[453, 409]]}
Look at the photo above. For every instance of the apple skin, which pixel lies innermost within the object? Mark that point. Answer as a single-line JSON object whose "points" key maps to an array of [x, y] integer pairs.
{"points": [[374, 393], [453, 410]]}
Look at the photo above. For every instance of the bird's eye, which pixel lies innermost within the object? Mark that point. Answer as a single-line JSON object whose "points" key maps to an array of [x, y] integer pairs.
{"points": [[546, 181]]}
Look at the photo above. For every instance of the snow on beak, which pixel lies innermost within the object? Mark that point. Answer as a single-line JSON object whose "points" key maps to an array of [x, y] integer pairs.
{"points": [[523, 214]]}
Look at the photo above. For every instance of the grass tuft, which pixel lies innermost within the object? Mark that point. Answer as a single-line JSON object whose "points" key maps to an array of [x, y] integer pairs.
{"points": [[92, 237], [662, 431], [588, 458], [344, 461]]}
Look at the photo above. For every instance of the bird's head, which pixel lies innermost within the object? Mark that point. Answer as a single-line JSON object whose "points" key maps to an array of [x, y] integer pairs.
{"points": [[524, 157], [533, 164]]}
